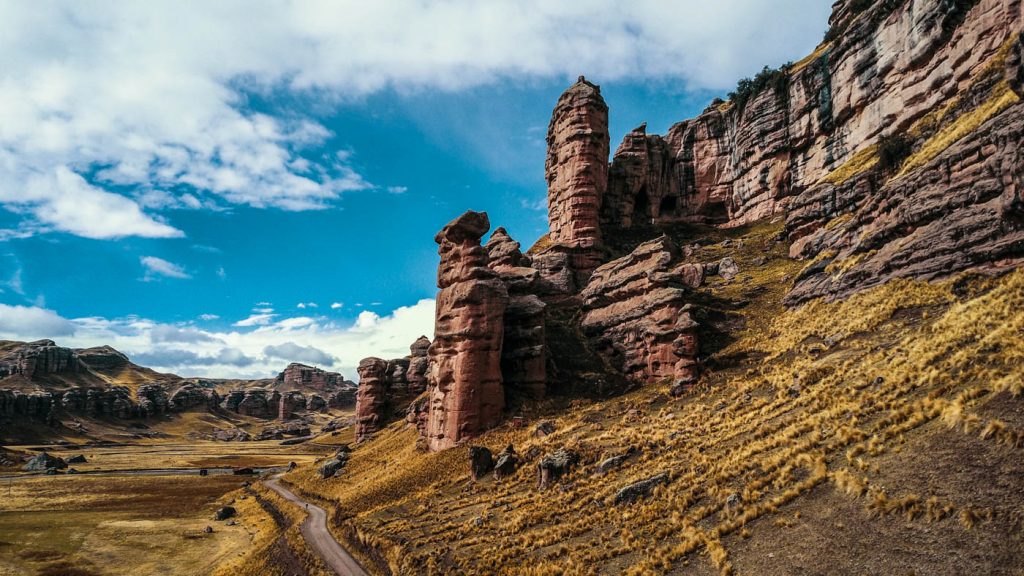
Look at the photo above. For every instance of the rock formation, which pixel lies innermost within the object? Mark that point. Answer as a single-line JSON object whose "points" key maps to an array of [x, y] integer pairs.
{"points": [[191, 396], [466, 394], [300, 376], [523, 360], [915, 146], [418, 365], [372, 399], [635, 310], [577, 174], [38, 359], [577, 165]]}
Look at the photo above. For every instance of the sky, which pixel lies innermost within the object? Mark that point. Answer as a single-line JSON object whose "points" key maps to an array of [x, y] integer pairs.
{"points": [[224, 189]]}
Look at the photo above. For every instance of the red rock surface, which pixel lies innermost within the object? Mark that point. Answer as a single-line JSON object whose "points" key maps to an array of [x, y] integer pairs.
{"points": [[577, 165], [466, 394], [523, 359], [372, 397], [636, 312], [418, 365], [300, 376]]}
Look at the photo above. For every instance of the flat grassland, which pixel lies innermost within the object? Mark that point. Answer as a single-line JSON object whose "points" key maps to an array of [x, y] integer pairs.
{"points": [[119, 523], [78, 525]]}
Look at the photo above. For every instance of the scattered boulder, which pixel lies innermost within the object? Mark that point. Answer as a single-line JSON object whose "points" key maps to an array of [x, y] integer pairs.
{"points": [[224, 513], [333, 465], [641, 489], [79, 459], [728, 269], [506, 463], [481, 462], [545, 428], [555, 465], [208, 530], [243, 471], [43, 462]]}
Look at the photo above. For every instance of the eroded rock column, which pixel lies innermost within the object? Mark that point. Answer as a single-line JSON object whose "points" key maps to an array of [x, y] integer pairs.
{"points": [[466, 394], [371, 398]]}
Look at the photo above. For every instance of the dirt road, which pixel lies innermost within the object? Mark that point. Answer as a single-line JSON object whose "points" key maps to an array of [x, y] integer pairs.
{"points": [[314, 530]]}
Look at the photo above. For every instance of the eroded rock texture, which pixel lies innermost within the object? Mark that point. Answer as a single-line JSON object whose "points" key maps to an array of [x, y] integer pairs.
{"points": [[635, 311], [466, 394], [416, 375], [372, 397], [523, 359], [944, 76], [307, 377], [577, 165], [38, 359]]}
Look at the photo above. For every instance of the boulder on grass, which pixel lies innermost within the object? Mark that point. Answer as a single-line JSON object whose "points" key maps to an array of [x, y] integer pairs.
{"points": [[481, 462], [43, 462]]}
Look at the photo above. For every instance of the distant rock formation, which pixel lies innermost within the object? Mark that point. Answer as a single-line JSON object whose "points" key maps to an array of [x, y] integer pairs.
{"points": [[466, 394], [300, 376], [635, 310], [39, 358]]}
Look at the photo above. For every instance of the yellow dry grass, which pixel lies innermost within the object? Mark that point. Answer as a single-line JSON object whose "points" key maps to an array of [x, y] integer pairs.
{"points": [[838, 385]]}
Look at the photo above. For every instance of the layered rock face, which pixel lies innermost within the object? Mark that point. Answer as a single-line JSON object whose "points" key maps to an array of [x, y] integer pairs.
{"points": [[812, 141], [636, 312], [416, 375], [523, 359], [577, 165], [103, 358], [577, 174], [297, 375], [38, 359], [466, 394], [372, 398]]}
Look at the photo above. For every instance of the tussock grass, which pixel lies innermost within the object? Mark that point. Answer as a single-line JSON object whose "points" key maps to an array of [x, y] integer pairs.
{"points": [[836, 386]]}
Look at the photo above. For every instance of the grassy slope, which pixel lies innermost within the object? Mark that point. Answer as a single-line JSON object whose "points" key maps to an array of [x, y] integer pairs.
{"points": [[880, 434]]}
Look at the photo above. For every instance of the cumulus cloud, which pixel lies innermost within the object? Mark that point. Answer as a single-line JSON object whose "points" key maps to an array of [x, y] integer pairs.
{"points": [[255, 320], [29, 322], [336, 305], [292, 352], [302, 305], [159, 267], [97, 98], [178, 358], [170, 333], [254, 352]]}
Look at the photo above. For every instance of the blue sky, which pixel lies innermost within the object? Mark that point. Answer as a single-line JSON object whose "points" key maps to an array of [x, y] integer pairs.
{"points": [[218, 205]]}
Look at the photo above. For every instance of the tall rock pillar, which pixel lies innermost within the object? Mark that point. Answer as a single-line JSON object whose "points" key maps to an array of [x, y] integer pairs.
{"points": [[466, 394], [577, 174]]}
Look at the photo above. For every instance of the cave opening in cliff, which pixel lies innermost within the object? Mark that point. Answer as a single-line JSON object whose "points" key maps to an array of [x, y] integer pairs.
{"points": [[668, 206], [642, 207]]}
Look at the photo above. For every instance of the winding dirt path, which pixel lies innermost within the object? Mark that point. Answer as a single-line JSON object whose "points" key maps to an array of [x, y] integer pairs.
{"points": [[314, 530]]}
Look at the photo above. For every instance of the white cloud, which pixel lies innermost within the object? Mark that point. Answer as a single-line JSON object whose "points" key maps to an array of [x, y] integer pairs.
{"points": [[302, 305], [255, 352], [159, 267], [292, 352], [208, 317], [336, 305], [96, 96], [28, 323], [255, 320], [397, 189]]}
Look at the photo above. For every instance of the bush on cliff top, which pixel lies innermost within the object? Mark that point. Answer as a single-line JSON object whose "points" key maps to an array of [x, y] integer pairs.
{"points": [[775, 78]]}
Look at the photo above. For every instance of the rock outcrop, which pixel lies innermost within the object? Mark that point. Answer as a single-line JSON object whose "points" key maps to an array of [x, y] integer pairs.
{"points": [[576, 170], [523, 359], [466, 393], [191, 396], [39, 358], [152, 400], [302, 377], [636, 312], [372, 399], [416, 375]]}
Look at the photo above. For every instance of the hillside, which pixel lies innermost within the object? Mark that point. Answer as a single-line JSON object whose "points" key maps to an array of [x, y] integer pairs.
{"points": [[784, 338]]}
